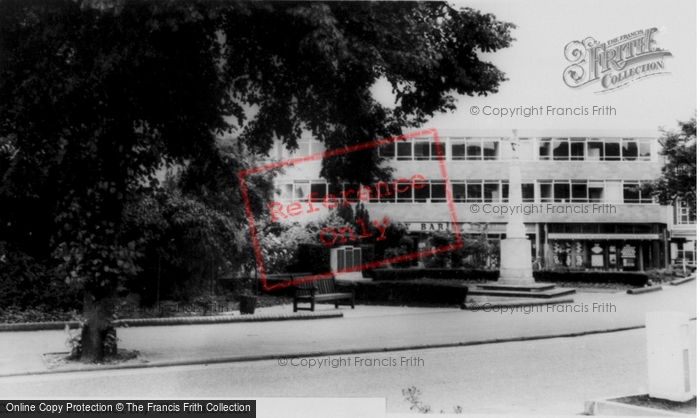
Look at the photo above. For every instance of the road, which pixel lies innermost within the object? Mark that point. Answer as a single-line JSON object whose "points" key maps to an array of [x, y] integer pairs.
{"points": [[543, 376]]}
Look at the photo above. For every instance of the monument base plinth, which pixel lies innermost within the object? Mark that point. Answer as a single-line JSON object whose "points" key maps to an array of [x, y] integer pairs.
{"points": [[516, 262]]}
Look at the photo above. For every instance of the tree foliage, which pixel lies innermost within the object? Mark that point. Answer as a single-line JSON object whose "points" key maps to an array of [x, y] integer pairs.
{"points": [[678, 181], [97, 95]]}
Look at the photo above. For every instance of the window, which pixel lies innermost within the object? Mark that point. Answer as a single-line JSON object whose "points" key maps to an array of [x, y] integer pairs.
{"points": [[579, 191], [437, 191], [388, 150], [418, 150], [546, 149], [422, 194], [528, 192], [492, 191], [459, 192], [404, 196], [480, 191], [490, 149], [683, 216], [320, 188], [546, 191], [475, 149], [562, 192], [578, 149], [421, 151], [630, 149], [474, 191], [301, 190], [459, 151], [612, 149], [594, 149], [404, 151], [560, 149]]}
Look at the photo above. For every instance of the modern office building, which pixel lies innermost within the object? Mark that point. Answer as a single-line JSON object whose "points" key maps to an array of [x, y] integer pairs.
{"points": [[581, 202]]}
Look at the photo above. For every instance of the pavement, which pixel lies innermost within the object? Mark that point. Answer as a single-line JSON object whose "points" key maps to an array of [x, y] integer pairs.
{"points": [[366, 329]]}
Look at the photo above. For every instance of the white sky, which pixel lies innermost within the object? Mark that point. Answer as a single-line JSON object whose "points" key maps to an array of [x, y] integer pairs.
{"points": [[535, 63]]}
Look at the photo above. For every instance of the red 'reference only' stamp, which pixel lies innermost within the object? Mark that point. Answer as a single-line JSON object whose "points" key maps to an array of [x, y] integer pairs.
{"points": [[313, 203]]}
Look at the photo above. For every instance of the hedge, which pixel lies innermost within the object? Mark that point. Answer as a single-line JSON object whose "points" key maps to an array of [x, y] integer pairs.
{"points": [[636, 278], [316, 258], [410, 292], [437, 273]]}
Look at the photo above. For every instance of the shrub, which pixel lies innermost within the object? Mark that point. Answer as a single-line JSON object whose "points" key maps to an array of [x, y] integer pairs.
{"points": [[437, 273], [314, 258], [410, 292]]}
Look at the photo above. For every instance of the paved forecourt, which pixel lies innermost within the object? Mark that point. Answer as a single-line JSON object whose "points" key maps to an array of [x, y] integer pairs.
{"points": [[366, 329]]}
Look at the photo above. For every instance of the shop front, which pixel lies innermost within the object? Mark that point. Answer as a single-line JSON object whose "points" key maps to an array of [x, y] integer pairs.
{"points": [[604, 251]]}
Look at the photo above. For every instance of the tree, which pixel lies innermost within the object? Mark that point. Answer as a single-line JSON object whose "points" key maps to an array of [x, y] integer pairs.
{"points": [[97, 95], [678, 181]]}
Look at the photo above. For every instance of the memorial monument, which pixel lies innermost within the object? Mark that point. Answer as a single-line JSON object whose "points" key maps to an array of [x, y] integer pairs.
{"points": [[516, 259]]}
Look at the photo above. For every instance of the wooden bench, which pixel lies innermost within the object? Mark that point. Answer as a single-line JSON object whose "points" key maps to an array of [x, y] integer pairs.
{"points": [[320, 291]]}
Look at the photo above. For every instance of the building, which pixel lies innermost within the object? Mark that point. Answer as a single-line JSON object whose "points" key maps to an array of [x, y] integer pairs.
{"points": [[581, 201]]}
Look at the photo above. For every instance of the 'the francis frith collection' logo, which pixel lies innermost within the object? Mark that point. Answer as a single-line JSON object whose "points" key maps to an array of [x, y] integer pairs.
{"points": [[615, 63]]}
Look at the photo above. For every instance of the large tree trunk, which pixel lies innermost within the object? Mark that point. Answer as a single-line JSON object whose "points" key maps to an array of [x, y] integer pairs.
{"points": [[96, 329]]}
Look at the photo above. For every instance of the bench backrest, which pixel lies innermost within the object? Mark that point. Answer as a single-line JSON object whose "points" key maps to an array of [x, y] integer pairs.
{"points": [[324, 286]]}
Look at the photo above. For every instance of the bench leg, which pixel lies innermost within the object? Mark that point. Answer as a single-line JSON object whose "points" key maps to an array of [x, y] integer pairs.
{"points": [[313, 304], [336, 305], [352, 301], [295, 305]]}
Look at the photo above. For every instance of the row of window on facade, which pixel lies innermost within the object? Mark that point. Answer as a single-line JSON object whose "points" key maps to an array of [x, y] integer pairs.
{"points": [[481, 191], [486, 149]]}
